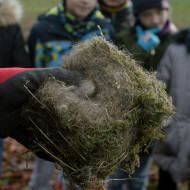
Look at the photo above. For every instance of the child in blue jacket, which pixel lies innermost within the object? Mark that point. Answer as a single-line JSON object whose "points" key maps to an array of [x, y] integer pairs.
{"points": [[63, 26]]}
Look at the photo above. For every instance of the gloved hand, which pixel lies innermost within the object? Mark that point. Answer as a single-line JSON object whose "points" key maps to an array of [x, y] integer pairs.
{"points": [[13, 95], [147, 39]]}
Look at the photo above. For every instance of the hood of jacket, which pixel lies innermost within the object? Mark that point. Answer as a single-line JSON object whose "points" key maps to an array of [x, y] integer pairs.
{"points": [[10, 12]]}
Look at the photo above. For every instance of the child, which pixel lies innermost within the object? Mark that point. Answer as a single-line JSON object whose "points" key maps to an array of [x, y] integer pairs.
{"points": [[62, 27], [173, 154], [120, 12], [54, 35], [147, 41]]}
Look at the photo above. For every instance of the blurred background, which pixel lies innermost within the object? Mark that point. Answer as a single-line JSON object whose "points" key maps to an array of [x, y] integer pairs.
{"points": [[32, 8]]}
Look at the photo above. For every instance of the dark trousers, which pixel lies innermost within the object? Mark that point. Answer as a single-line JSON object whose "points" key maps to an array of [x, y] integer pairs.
{"points": [[165, 181]]}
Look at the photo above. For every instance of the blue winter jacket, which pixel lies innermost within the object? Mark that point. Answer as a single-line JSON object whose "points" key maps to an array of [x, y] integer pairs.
{"points": [[50, 39]]}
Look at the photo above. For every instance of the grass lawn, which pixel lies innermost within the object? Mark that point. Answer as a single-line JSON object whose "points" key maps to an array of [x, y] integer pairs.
{"points": [[180, 12], [32, 8]]}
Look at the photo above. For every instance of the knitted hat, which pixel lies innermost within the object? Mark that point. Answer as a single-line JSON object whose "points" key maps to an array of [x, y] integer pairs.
{"points": [[142, 5]]}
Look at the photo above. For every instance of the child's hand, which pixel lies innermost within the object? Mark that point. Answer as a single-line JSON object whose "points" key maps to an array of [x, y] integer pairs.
{"points": [[147, 39]]}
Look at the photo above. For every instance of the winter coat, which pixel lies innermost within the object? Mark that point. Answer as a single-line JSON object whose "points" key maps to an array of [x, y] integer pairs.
{"points": [[173, 153], [149, 60], [57, 31], [12, 46], [121, 17]]}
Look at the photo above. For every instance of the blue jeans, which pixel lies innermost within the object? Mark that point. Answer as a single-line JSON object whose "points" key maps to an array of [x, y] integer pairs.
{"points": [[141, 176], [42, 174], [65, 184], [1, 155]]}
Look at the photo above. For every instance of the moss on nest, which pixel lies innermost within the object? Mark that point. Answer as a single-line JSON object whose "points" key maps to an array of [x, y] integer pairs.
{"points": [[90, 135]]}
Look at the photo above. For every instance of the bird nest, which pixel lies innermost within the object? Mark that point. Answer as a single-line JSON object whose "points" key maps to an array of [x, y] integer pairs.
{"points": [[114, 114]]}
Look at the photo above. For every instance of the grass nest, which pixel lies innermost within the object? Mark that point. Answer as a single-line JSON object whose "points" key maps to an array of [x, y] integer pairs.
{"points": [[116, 112]]}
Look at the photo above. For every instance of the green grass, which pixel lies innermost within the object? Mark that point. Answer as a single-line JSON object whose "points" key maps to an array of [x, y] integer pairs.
{"points": [[180, 12], [33, 8]]}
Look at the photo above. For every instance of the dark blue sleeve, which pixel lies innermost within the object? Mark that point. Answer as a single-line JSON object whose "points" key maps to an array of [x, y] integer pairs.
{"points": [[112, 34]]}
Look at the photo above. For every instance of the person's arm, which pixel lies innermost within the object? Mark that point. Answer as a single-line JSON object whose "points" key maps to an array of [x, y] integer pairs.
{"points": [[13, 95], [164, 68], [6, 73], [164, 155], [126, 40]]}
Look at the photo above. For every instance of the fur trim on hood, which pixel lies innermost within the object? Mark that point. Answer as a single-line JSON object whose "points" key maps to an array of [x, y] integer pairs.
{"points": [[10, 12]]}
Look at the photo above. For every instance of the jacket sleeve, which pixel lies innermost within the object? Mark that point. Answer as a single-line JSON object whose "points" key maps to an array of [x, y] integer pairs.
{"points": [[172, 154], [112, 34], [164, 68], [163, 155], [171, 162], [6, 73], [20, 57], [133, 48]]}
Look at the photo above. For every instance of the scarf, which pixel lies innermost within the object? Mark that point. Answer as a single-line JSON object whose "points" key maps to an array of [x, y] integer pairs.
{"points": [[78, 28], [163, 32], [113, 10]]}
